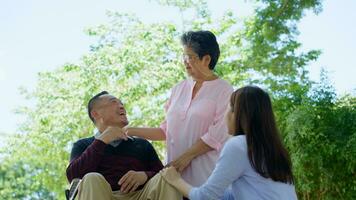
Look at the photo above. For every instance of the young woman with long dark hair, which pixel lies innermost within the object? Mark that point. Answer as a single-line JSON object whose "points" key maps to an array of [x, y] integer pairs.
{"points": [[253, 164]]}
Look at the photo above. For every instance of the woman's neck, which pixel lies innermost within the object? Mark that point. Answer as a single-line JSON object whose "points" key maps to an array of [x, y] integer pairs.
{"points": [[210, 77]]}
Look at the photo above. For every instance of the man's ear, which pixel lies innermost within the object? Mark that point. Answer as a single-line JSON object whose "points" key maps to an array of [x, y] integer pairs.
{"points": [[95, 115], [207, 60]]}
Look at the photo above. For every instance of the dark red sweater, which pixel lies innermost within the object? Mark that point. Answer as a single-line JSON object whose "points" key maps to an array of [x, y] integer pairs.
{"points": [[92, 155]]}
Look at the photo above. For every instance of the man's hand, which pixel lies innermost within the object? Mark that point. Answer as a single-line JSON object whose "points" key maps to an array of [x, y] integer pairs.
{"points": [[131, 180], [112, 133], [171, 175], [181, 162], [125, 129]]}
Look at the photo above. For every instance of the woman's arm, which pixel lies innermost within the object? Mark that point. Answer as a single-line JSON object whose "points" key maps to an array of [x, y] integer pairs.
{"points": [[171, 175], [151, 133], [199, 148], [231, 165], [147, 133]]}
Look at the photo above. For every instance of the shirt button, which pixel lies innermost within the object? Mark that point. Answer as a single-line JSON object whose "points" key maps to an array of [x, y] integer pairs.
{"points": [[171, 141]]}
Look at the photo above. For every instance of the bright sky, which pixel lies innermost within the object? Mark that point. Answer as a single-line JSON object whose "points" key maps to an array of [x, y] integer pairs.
{"points": [[40, 35]]}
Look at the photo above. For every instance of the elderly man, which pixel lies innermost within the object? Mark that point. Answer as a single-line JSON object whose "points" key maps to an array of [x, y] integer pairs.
{"points": [[113, 166]]}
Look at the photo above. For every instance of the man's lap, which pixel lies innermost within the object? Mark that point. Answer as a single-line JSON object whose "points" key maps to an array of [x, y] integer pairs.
{"points": [[155, 188]]}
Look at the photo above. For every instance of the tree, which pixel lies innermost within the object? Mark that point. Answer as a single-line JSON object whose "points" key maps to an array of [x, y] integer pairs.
{"points": [[322, 135]]}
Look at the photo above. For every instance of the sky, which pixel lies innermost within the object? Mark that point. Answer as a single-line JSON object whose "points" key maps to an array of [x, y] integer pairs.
{"points": [[40, 35]]}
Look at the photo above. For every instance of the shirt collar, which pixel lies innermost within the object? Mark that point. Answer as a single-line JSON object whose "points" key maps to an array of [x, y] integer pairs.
{"points": [[114, 143]]}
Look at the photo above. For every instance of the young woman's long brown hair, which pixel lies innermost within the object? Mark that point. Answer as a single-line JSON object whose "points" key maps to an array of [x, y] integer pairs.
{"points": [[254, 116]]}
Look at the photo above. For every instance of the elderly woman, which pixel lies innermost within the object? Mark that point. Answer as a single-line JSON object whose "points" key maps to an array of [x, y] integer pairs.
{"points": [[194, 128], [254, 163]]}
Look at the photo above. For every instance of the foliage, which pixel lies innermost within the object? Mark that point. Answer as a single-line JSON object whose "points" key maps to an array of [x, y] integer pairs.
{"points": [[140, 62], [322, 135]]}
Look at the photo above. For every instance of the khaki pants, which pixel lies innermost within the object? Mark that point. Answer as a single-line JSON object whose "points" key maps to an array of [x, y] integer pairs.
{"points": [[95, 187]]}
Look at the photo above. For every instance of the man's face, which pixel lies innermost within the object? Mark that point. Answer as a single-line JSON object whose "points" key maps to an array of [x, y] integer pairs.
{"points": [[110, 111]]}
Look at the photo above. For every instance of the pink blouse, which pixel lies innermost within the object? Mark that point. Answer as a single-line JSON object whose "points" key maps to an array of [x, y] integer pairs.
{"points": [[188, 120]]}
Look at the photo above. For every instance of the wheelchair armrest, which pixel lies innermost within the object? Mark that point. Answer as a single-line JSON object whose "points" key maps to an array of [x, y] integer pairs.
{"points": [[71, 193]]}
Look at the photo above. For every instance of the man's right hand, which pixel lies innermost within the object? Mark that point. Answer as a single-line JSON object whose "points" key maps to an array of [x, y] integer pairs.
{"points": [[131, 180], [112, 133]]}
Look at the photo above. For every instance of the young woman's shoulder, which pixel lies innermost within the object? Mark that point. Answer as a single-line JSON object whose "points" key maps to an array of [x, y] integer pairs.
{"points": [[236, 144], [235, 153]]}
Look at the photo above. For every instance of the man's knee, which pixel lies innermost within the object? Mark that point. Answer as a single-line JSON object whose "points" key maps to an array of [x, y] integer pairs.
{"points": [[94, 186], [93, 177]]}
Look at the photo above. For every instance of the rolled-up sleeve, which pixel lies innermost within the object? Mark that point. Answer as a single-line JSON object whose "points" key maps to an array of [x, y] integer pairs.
{"points": [[217, 134]]}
